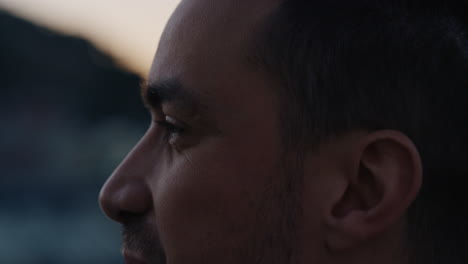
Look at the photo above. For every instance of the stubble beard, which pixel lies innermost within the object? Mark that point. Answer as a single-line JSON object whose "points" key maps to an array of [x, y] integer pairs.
{"points": [[280, 244], [275, 229], [143, 240]]}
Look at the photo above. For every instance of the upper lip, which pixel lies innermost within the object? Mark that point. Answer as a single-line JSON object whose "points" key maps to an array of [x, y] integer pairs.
{"points": [[132, 258]]}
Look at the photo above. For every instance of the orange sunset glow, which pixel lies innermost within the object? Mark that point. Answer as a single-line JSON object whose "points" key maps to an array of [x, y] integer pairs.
{"points": [[128, 30]]}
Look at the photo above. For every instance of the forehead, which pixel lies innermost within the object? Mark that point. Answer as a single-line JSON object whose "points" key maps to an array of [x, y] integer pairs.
{"points": [[206, 42], [204, 47], [218, 29]]}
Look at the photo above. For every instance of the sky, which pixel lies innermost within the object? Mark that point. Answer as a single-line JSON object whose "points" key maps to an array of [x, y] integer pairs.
{"points": [[128, 30]]}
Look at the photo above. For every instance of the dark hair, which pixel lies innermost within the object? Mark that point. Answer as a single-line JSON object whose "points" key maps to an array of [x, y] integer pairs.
{"points": [[373, 65]]}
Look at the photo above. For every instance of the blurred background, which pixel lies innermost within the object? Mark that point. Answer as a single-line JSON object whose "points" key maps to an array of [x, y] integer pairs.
{"points": [[69, 112]]}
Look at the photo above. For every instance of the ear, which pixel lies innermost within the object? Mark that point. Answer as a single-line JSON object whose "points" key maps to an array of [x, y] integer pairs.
{"points": [[382, 180]]}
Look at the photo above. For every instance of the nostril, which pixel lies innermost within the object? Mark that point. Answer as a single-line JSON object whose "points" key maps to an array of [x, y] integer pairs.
{"points": [[128, 217], [126, 202]]}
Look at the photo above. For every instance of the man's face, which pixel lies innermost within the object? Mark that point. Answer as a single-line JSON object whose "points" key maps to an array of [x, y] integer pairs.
{"points": [[206, 183]]}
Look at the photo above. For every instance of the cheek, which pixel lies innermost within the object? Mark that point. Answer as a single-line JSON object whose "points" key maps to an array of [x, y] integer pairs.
{"points": [[212, 194]]}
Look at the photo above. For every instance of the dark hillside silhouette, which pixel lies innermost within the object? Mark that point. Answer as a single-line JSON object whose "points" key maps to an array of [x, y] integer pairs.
{"points": [[67, 117]]}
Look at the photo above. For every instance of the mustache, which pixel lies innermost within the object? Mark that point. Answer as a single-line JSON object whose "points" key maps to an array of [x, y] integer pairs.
{"points": [[143, 239]]}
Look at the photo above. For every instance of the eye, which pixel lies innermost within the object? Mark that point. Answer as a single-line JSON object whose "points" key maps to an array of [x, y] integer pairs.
{"points": [[175, 133], [173, 126]]}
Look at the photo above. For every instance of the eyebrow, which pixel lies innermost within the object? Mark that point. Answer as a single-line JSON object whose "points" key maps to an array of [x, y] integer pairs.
{"points": [[155, 94]]}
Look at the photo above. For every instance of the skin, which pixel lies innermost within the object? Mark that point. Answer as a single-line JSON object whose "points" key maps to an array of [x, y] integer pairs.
{"points": [[211, 182]]}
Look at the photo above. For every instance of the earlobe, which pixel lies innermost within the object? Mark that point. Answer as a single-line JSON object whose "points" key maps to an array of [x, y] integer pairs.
{"points": [[381, 186]]}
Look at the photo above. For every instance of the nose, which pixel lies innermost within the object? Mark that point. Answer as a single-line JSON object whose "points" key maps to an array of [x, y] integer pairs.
{"points": [[126, 196]]}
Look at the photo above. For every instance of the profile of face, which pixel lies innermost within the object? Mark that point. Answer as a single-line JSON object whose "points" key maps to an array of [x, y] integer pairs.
{"points": [[210, 181]]}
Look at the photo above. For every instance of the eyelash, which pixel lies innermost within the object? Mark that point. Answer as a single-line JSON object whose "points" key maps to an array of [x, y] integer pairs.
{"points": [[172, 129], [170, 126]]}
